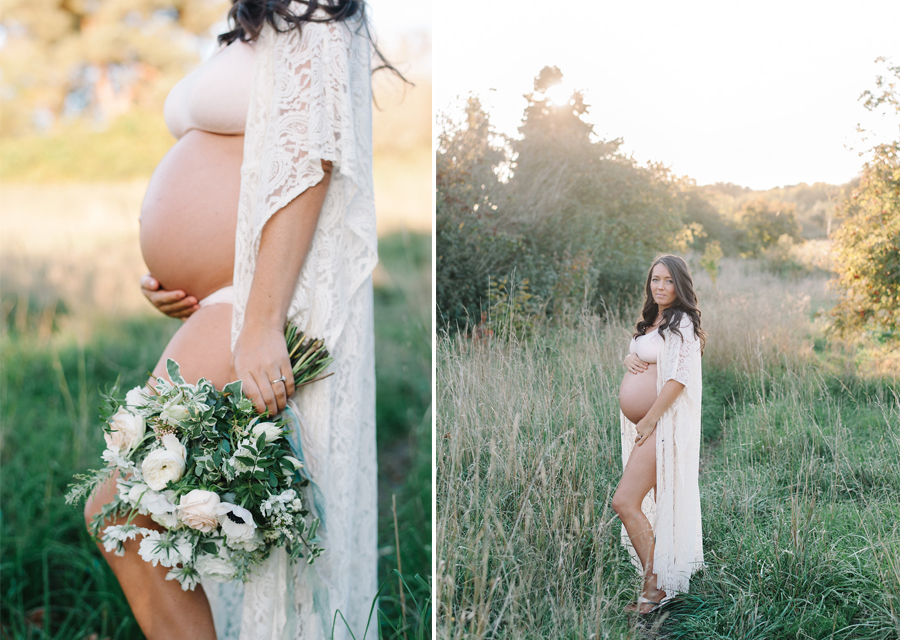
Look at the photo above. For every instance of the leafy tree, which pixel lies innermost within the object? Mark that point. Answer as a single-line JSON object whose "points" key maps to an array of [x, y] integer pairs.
{"points": [[867, 244], [74, 57], [698, 209], [763, 222], [470, 245], [591, 212], [572, 216]]}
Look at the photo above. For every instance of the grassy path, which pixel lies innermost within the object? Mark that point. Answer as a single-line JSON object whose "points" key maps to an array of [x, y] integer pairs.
{"points": [[801, 473]]}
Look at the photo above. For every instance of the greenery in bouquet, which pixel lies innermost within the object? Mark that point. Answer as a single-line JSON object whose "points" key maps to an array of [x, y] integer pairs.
{"points": [[219, 477]]}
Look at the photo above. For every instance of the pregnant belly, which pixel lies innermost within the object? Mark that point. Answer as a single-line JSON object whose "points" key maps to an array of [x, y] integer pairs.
{"points": [[189, 214], [638, 393]]}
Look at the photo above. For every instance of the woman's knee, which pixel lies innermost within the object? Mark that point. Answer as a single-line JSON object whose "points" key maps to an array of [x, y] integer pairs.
{"points": [[622, 505]]}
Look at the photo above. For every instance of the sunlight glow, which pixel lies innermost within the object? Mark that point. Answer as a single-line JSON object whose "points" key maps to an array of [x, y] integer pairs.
{"points": [[774, 102], [559, 94]]}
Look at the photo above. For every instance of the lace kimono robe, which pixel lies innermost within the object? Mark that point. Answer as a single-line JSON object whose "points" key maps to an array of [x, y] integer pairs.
{"points": [[675, 515], [311, 101]]}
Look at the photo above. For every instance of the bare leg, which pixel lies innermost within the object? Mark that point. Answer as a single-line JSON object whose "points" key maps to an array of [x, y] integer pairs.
{"points": [[202, 347], [637, 480]]}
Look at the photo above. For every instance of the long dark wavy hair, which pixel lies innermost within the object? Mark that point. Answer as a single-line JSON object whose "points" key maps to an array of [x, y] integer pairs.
{"points": [[249, 16], [685, 301]]}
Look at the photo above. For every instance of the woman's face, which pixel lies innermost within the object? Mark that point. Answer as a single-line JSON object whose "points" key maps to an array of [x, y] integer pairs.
{"points": [[662, 287]]}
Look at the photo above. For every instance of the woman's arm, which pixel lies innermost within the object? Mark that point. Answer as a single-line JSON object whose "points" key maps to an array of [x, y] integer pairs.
{"points": [[670, 392], [260, 354]]}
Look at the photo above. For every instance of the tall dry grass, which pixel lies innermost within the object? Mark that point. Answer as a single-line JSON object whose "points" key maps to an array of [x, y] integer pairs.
{"points": [[799, 480]]}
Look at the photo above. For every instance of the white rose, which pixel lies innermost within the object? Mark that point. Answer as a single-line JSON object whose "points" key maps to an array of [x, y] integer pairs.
{"points": [[165, 465], [198, 510], [173, 413], [126, 430], [272, 431], [238, 527], [136, 397], [215, 567]]}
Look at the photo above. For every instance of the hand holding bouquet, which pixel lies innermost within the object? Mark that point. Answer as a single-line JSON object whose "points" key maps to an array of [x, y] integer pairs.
{"points": [[201, 462]]}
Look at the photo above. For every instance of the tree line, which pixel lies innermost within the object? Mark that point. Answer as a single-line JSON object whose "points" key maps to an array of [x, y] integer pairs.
{"points": [[557, 219]]}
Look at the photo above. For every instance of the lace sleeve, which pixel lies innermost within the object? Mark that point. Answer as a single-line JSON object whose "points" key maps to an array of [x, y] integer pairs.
{"points": [[680, 353], [311, 101], [310, 117]]}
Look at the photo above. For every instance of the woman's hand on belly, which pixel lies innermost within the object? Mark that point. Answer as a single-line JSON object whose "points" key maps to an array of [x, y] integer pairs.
{"points": [[635, 364], [175, 304], [260, 358]]}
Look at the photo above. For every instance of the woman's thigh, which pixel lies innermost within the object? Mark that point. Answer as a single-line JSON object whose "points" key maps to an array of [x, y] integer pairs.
{"points": [[639, 476], [202, 347]]}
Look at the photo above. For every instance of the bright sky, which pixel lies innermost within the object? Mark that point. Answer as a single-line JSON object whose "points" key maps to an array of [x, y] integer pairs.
{"points": [[760, 94], [404, 23]]}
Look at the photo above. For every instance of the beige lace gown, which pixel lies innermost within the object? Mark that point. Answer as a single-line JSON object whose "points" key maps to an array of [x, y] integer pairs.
{"points": [[675, 515], [311, 101]]}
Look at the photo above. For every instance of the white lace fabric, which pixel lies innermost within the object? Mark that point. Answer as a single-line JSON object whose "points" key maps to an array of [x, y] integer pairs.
{"points": [[675, 515], [311, 101]]}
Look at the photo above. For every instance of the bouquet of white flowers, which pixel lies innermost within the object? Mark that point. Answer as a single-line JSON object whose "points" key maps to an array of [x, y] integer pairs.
{"points": [[219, 477]]}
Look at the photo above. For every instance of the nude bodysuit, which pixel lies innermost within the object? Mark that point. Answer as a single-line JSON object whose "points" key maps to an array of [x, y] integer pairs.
{"points": [[646, 346], [215, 96]]}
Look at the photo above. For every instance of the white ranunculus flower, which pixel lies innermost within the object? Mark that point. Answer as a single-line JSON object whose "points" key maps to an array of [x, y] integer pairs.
{"points": [[218, 568], [248, 543], [126, 430], [238, 526], [138, 493], [198, 510], [272, 431], [174, 412], [164, 465], [136, 397]]}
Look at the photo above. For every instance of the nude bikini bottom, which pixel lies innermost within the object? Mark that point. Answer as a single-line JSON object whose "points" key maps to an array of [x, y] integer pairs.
{"points": [[225, 295]]}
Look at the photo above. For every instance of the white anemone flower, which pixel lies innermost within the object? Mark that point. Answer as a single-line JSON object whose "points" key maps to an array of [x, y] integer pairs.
{"points": [[238, 526]]}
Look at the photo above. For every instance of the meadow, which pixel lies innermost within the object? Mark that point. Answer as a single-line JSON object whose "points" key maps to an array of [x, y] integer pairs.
{"points": [[800, 473], [74, 323]]}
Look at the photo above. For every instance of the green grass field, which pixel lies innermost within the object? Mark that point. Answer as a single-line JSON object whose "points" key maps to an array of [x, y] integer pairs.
{"points": [[55, 359], [800, 477]]}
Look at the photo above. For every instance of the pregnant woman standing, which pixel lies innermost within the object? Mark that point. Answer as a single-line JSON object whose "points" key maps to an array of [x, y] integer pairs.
{"points": [[660, 422], [263, 212]]}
